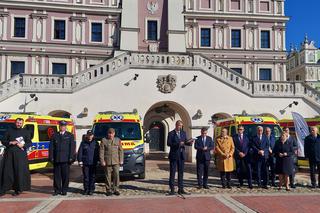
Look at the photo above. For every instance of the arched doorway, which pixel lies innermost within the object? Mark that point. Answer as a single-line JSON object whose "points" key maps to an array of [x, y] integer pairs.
{"points": [[160, 119], [156, 136]]}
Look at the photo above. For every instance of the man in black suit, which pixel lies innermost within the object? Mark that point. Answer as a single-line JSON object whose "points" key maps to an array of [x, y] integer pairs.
{"points": [[272, 157], [62, 151], [261, 149], [312, 152], [204, 144], [294, 156], [177, 140], [242, 157]]}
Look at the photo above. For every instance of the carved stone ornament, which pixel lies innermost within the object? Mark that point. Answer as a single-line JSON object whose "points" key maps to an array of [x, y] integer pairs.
{"points": [[166, 83], [152, 6]]}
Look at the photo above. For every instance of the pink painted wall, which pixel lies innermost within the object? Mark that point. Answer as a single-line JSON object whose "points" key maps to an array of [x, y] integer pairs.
{"points": [[161, 15]]}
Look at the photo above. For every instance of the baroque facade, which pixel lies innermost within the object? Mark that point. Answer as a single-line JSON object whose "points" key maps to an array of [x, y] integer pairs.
{"points": [[168, 59]]}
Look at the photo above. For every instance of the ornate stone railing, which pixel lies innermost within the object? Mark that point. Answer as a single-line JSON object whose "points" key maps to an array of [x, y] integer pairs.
{"points": [[223, 73], [113, 66]]}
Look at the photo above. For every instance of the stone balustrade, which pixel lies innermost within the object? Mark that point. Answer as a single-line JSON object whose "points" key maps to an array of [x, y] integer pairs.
{"points": [[126, 60]]}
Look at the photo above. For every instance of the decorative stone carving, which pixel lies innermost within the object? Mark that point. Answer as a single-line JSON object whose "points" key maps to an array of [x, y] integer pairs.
{"points": [[279, 40], [78, 32], [153, 47], [220, 38], [251, 39], [166, 83], [39, 28], [152, 7]]}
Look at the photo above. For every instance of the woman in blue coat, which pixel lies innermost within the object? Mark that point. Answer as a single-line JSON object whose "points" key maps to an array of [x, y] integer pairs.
{"points": [[88, 155]]}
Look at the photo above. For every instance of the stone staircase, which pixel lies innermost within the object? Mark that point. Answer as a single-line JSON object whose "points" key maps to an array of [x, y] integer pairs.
{"points": [[126, 60]]}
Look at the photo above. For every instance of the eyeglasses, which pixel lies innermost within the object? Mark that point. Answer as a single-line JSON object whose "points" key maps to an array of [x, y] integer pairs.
{"points": [[240, 129]]}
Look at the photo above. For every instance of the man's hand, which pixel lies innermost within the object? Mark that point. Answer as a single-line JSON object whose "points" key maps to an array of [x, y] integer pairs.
{"points": [[205, 148], [20, 145], [280, 155], [181, 143], [285, 154], [261, 152], [13, 142], [121, 163], [80, 164], [103, 163], [270, 150], [241, 154]]}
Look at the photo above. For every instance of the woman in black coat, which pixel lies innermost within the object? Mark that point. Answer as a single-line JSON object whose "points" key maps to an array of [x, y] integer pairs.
{"points": [[283, 151]]}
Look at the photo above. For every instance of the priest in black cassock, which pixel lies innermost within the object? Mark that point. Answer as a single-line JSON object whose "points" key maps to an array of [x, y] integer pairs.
{"points": [[15, 174]]}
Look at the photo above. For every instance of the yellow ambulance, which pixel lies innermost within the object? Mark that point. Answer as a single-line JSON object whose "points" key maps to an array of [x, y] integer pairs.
{"points": [[302, 161], [250, 124], [128, 128], [41, 128]]}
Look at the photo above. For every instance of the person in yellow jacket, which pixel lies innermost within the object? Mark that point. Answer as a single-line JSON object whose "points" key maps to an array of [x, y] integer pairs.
{"points": [[224, 150]]}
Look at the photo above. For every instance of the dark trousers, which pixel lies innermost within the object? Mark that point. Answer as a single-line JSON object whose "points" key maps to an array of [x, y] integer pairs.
{"points": [[244, 170], [262, 172], [271, 168], [295, 169], [173, 167], [89, 177], [61, 177], [225, 176], [203, 172], [313, 167]]}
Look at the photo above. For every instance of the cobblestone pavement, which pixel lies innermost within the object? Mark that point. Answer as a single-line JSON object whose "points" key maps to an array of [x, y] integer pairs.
{"points": [[137, 194]]}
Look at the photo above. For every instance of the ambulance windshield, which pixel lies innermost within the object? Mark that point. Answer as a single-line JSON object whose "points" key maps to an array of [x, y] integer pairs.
{"points": [[4, 127], [124, 130]]}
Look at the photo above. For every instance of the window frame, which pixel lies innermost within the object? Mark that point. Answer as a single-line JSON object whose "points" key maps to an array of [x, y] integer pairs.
{"points": [[13, 26], [53, 29], [59, 63], [147, 29], [231, 38], [261, 31], [19, 61], [260, 69], [230, 6], [200, 36], [91, 22]]}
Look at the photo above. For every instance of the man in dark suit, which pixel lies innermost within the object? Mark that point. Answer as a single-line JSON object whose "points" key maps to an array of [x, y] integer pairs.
{"points": [[204, 144], [294, 156], [261, 148], [62, 155], [177, 140], [312, 152], [271, 159], [242, 157]]}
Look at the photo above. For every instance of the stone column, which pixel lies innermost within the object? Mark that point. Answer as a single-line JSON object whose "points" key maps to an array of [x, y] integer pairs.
{"points": [[78, 28], [3, 24]]}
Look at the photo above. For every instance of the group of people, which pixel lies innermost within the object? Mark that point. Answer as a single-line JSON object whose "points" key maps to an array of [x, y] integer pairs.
{"points": [[14, 167], [261, 156]]}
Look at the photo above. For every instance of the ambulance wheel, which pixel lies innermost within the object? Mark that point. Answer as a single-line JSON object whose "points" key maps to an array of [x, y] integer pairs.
{"points": [[142, 175]]}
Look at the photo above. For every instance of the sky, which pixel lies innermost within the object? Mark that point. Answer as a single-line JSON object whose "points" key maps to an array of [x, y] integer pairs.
{"points": [[304, 19]]}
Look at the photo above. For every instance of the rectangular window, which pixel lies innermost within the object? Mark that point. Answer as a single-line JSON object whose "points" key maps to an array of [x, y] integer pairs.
{"points": [[264, 6], [59, 68], [265, 74], [265, 39], [236, 38], [30, 128], [19, 27], [60, 29], [46, 132], [238, 70], [17, 67], [96, 32], [235, 5], [205, 37], [152, 31]]}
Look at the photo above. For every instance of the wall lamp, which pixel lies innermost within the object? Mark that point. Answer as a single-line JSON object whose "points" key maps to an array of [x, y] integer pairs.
{"points": [[294, 103], [192, 80], [132, 79]]}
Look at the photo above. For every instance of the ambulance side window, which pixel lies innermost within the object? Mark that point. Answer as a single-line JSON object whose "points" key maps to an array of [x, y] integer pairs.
{"points": [[30, 128], [46, 132]]}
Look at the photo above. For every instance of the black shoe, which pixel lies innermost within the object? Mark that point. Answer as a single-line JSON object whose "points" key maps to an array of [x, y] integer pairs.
{"points": [[171, 192], [223, 186], [265, 187], [229, 187], [293, 186], [90, 193], [206, 187], [182, 192], [85, 192], [240, 185], [117, 193], [108, 193], [200, 187], [250, 187], [56, 193], [313, 186], [16, 193], [64, 193]]}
